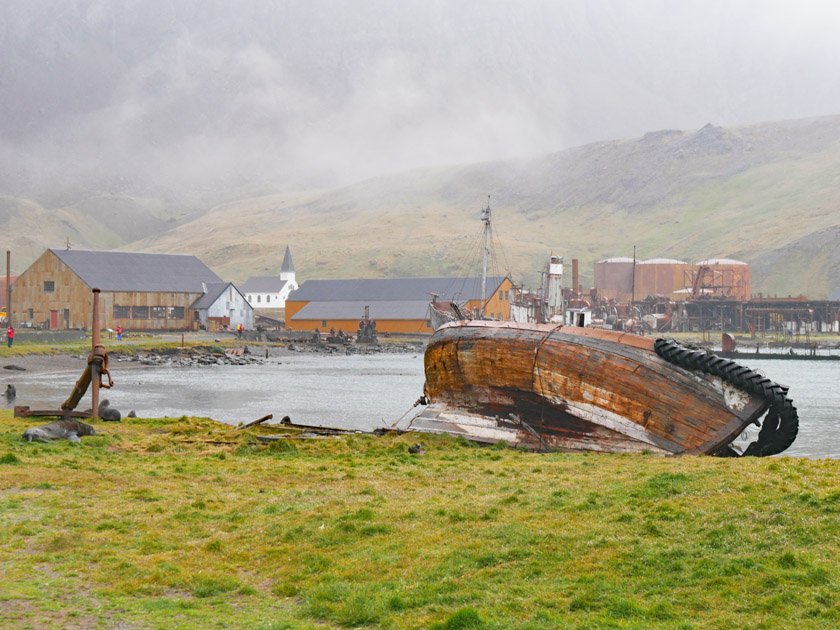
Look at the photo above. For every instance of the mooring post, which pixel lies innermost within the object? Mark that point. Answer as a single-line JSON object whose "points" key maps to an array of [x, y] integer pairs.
{"points": [[94, 368]]}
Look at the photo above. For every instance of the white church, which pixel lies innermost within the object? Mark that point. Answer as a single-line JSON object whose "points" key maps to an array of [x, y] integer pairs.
{"points": [[271, 291]]}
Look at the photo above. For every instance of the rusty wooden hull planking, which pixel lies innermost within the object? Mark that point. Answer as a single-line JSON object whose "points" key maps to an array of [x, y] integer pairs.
{"points": [[576, 389]]}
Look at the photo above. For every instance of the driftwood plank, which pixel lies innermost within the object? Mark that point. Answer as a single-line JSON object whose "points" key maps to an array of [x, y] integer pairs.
{"points": [[254, 423]]}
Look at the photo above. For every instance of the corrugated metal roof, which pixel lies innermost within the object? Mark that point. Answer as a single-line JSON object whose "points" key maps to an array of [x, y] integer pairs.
{"points": [[355, 309], [134, 271], [263, 284], [616, 260], [386, 289], [214, 290]]}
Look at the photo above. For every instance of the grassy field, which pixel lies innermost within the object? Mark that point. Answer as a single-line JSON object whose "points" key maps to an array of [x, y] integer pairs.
{"points": [[183, 523]]}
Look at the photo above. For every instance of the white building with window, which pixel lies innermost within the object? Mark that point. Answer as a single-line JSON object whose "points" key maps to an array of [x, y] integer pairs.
{"points": [[271, 291], [223, 306]]}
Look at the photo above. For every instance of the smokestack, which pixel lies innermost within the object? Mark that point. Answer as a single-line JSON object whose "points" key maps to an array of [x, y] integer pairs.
{"points": [[575, 286]]}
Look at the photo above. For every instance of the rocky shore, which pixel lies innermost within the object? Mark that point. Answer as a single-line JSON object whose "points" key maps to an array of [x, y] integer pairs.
{"points": [[249, 355], [198, 357]]}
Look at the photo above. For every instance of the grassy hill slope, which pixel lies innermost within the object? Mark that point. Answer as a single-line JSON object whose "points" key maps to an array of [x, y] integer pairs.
{"points": [[767, 193], [742, 193]]}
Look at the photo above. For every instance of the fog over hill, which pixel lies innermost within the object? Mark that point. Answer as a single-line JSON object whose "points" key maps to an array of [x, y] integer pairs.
{"points": [[367, 134], [177, 95]]}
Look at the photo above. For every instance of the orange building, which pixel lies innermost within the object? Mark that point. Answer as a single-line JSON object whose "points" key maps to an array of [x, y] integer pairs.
{"points": [[398, 305]]}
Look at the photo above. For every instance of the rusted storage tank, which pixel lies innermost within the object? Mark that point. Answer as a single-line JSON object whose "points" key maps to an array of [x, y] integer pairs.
{"points": [[661, 276], [614, 278], [723, 278]]}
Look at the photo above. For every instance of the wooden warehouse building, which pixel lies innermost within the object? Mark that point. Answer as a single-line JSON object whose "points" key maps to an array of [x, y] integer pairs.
{"points": [[398, 305], [139, 291]]}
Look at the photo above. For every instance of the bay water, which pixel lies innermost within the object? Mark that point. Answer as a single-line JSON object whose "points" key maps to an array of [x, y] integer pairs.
{"points": [[366, 392]]}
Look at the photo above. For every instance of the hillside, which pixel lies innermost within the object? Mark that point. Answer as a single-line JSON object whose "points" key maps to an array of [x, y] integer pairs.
{"points": [[766, 193]]}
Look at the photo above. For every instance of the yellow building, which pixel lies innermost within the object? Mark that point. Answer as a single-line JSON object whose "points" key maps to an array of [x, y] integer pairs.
{"points": [[398, 305]]}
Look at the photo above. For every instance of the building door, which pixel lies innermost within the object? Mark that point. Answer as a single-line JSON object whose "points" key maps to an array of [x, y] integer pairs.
{"points": [[53, 320]]}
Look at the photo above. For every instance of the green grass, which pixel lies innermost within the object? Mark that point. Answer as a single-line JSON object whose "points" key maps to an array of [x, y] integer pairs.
{"points": [[154, 524]]}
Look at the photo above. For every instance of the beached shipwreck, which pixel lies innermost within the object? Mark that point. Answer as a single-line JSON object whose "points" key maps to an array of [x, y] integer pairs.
{"points": [[566, 388]]}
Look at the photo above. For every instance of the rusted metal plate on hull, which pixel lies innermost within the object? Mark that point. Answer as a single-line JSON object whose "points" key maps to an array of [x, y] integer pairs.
{"points": [[563, 381]]}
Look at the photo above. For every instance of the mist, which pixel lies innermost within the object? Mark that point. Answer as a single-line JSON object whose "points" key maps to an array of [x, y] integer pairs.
{"points": [[189, 95]]}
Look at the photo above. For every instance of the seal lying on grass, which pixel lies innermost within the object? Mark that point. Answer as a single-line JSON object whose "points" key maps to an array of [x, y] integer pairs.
{"points": [[106, 412], [60, 429]]}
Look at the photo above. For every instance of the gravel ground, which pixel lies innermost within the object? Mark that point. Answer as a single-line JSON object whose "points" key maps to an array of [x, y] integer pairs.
{"points": [[37, 364]]}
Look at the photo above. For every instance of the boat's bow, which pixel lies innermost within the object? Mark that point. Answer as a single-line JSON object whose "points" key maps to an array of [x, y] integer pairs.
{"points": [[569, 388]]}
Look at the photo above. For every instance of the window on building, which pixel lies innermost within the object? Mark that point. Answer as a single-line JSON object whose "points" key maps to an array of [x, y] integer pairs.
{"points": [[157, 312], [176, 312], [501, 295], [268, 298], [428, 323], [31, 314], [259, 299], [122, 312], [139, 312], [49, 286], [323, 323], [66, 315]]}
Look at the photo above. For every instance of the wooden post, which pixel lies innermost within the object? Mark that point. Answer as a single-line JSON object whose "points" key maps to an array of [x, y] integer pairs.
{"points": [[94, 370]]}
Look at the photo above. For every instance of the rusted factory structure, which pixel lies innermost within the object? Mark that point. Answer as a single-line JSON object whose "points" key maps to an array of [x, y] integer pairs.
{"points": [[626, 279], [713, 294], [138, 291]]}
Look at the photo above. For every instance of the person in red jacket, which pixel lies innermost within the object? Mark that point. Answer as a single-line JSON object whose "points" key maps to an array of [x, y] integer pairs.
{"points": [[10, 335]]}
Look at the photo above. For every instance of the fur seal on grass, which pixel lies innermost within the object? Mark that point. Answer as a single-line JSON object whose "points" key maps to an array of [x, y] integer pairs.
{"points": [[58, 430], [11, 392], [108, 413]]}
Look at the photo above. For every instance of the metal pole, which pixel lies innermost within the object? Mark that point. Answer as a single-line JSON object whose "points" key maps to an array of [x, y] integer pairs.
{"points": [[8, 288], [94, 370], [633, 287], [485, 216]]}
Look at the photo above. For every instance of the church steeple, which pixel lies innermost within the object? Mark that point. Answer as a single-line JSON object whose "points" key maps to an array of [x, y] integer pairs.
{"points": [[287, 269]]}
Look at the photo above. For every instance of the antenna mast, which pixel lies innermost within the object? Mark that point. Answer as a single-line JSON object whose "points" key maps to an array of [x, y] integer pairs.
{"points": [[485, 216]]}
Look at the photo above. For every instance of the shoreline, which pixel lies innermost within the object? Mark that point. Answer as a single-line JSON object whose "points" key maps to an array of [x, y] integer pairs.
{"points": [[149, 357]]}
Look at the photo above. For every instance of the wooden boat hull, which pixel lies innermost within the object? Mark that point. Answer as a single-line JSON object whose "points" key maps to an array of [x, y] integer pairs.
{"points": [[575, 389]]}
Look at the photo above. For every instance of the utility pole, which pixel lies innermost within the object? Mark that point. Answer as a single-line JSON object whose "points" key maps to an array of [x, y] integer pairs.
{"points": [[8, 288], [633, 287], [485, 216]]}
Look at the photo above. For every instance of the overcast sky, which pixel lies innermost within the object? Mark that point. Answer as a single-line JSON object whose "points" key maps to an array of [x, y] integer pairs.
{"points": [[197, 93]]}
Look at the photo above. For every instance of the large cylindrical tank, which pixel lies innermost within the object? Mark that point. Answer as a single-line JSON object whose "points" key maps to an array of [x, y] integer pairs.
{"points": [[661, 276], [614, 278], [724, 278]]}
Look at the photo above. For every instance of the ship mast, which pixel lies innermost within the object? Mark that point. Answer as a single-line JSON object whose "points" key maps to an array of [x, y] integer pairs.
{"points": [[485, 216]]}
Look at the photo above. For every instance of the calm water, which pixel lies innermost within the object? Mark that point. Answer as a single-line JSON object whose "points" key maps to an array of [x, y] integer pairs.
{"points": [[365, 392], [355, 391]]}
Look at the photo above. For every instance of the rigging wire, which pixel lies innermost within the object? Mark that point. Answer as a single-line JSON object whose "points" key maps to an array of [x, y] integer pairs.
{"points": [[468, 261]]}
